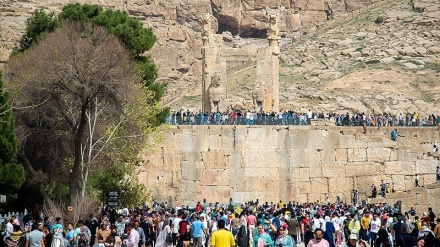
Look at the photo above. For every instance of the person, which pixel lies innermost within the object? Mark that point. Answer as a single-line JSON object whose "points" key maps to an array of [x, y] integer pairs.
{"points": [[92, 224], [103, 232], [318, 241], [405, 238], [417, 180], [252, 222], [222, 237], [431, 216], [142, 237], [184, 235], [35, 238], [365, 223], [420, 242], [394, 135], [197, 230], [284, 239], [176, 222], [17, 237], [383, 239], [243, 235], [113, 240], [437, 229], [49, 236], [329, 231], [133, 236], [81, 236], [427, 234], [70, 232], [261, 238], [375, 225], [308, 234], [293, 225], [120, 225], [438, 174], [354, 226], [164, 229], [352, 241]]}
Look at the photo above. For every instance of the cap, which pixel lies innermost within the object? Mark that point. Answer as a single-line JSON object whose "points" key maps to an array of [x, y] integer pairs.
{"points": [[353, 236]]}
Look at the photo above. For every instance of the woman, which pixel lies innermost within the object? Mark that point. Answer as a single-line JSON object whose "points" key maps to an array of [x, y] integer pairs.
{"points": [[113, 240], [382, 239], [103, 232], [164, 229], [262, 239], [283, 239], [329, 231], [308, 234]]}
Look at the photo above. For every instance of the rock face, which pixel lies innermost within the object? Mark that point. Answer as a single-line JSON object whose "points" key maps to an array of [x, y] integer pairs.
{"points": [[177, 25], [299, 163]]}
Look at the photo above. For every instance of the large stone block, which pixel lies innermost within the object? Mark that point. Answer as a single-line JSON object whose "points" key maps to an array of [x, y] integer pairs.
{"points": [[378, 154], [214, 159], [304, 174], [363, 169], [341, 154], [357, 154], [332, 169], [426, 166]]}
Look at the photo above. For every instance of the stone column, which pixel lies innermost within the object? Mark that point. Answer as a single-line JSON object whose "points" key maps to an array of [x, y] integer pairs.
{"points": [[274, 52]]}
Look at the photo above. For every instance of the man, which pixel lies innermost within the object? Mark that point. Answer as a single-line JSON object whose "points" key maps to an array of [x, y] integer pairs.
{"points": [[197, 228], [337, 224], [142, 238], [35, 238], [120, 225], [431, 216], [9, 227], [92, 224], [133, 236], [304, 222], [262, 238], [375, 227], [365, 223], [176, 221], [318, 241], [222, 237], [69, 235], [293, 227], [354, 226], [416, 180], [318, 222]]}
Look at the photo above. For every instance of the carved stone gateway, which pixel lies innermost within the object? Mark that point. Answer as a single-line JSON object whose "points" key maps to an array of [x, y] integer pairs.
{"points": [[217, 56]]}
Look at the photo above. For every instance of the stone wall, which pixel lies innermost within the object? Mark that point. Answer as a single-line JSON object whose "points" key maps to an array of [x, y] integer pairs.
{"points": [[300, 163]]}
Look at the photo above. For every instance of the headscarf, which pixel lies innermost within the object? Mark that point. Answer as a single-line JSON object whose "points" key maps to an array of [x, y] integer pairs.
{"points": [[327, 219]]}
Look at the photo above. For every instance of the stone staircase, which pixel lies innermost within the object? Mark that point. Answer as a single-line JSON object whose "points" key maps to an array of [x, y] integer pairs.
{"points": [[419, 197]]}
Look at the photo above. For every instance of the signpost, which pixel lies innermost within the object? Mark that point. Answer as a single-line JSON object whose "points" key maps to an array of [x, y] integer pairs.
{"points": [[113, 197]]}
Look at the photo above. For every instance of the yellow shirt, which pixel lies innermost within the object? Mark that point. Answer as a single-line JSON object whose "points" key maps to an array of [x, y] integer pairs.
{"points": [[222, 238], [365, 222]]}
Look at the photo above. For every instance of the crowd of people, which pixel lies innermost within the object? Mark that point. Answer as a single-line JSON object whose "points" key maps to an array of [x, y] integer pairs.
{"points": [[225, 225], [286, 117]]}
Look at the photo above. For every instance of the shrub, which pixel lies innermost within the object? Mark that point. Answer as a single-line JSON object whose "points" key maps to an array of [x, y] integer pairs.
{"points": [[379, 20]]}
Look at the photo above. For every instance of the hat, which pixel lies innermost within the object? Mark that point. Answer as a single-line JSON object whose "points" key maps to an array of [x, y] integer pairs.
{"points": [[353, 236]]}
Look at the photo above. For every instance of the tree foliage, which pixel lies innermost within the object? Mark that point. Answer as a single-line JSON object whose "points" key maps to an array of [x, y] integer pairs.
{"points": [[39, 24], [74, 73], [129, 30], [11, 174]]}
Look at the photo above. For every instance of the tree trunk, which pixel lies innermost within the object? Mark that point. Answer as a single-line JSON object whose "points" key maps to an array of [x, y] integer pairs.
{"points": [[33, 173], [76, 169]]}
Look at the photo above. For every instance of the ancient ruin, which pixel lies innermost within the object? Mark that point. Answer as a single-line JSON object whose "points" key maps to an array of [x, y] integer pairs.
{"points": [[298, 163], [218, 60]]}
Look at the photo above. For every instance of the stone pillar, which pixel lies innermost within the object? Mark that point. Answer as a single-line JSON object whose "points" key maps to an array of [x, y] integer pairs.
{"points": [[274, 63]]}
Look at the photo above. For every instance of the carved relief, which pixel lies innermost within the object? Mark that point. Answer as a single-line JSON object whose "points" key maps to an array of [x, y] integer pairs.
{"points": [[206, 28], [258, 95], [215, 92]]}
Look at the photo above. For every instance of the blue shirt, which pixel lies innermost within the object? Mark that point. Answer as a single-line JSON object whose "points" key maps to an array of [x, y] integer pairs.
{"points": [[197, 229]]}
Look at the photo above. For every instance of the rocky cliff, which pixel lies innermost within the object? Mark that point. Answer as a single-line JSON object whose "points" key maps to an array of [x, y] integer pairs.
{"points": [[177, 25]]}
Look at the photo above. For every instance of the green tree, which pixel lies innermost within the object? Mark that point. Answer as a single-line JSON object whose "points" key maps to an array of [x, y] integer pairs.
{"points": [[129, 30], [11, 174], [37, 25]]}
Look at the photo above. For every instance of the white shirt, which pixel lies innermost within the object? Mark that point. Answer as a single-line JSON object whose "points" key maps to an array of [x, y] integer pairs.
{"points": [[176, 224], [133, 238], [9, 228], [375, 225], [336, 223]]}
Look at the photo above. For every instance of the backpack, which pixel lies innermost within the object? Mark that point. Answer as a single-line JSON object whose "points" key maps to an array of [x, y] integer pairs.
{"points": [[83, 237]]}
